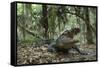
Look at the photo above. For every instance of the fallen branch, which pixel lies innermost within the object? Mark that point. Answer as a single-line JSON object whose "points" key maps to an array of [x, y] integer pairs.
{"points": [[30, 32]]}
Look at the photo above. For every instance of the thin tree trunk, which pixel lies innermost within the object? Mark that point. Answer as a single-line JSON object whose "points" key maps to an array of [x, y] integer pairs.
{"points": [[23, 22], [45, 21], [89, 36]]}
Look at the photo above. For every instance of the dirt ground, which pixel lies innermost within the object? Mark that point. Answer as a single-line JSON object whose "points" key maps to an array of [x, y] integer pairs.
{"points": [[40, 55]]}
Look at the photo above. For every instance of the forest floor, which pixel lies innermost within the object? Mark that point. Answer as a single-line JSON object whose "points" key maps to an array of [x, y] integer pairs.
{"points": [[40, 55]]}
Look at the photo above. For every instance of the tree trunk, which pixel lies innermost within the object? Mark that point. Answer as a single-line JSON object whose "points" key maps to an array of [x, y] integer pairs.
{"points": [[44, 21], [89, 36], [27, 18], [23, 22]]}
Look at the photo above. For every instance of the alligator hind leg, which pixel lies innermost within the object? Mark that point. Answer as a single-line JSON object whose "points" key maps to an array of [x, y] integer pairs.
{"points": [[77, 49]]}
